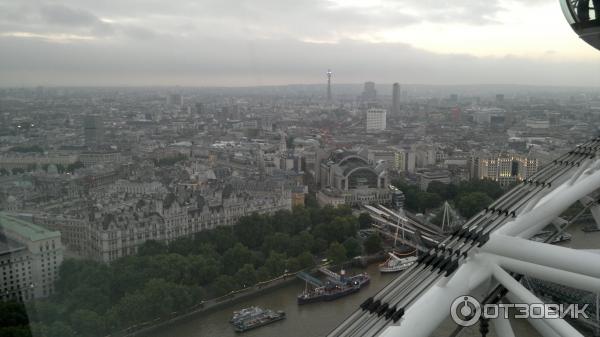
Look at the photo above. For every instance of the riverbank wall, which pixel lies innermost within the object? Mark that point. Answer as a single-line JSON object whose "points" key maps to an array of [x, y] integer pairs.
{"points": [[232, 298], [210, 306]]}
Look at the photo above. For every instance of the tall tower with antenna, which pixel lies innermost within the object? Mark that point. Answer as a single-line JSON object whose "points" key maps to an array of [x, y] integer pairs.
{"points": [[328, 85]]}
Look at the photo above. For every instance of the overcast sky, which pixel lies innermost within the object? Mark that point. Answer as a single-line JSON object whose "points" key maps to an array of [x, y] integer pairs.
{"points": [[264, 42]]}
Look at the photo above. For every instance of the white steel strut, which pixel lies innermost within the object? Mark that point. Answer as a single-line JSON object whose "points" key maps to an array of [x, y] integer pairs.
{"points": [[488, 252]]}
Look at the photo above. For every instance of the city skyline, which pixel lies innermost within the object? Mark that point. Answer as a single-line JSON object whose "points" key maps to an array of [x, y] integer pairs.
{"points": [[328, 168], [272, 43]]}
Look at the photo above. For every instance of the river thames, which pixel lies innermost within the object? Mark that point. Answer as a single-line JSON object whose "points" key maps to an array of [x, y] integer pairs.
{"points": [[318, 319]]}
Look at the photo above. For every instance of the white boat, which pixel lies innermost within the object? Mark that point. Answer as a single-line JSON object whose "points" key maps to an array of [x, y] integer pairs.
{"points": [[395, 264], [245, 313]]}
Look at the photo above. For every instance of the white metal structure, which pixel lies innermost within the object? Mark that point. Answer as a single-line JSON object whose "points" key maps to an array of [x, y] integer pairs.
{"points": [[483, 258]]}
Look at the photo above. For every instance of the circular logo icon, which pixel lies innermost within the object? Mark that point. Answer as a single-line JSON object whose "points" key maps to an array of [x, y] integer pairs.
{"points": [[465, 311]]}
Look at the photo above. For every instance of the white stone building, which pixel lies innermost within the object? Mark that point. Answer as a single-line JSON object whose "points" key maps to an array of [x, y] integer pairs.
{"points": [[30, 257], [376, 120]]}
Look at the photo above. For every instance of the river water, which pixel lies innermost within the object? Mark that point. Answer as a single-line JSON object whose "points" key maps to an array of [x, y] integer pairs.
{"points": [[318, 319]]}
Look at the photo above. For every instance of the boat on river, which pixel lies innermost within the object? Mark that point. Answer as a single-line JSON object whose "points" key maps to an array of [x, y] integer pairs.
{"points": [[395, 263], [254, 317], [336, 286], [240, 315]]}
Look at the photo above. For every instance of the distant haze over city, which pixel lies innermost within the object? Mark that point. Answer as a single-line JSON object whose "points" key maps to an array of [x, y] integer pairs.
{"points": [[273, 42]]}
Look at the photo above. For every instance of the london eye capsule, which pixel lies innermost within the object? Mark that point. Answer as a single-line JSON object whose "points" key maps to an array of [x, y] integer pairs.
{"points": [[584, 18]]}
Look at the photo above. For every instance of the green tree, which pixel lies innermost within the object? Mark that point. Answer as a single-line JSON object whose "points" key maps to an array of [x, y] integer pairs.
{"points": [[471, 203], [170, 267], [48, 312], [87, 297], [338, 229], [203, 270], [130, 309], [275, 263], [224, 284], [222, 238], [152, 247], [87, 323], [293, 264], [487, 186], [365, 220], [310, 201], [15, 331], [306, 260], [60, 329], [411, 201], [246, 276], [444, 191], [234, 258], [279, 242], [319, 246], [336, 253], [372, 244], [300, 220], [12, 314], [158, 301], [281, 220], [353, 247], [428, 200], [94, 298], [298, 244], [262, 273], [251, 230]]}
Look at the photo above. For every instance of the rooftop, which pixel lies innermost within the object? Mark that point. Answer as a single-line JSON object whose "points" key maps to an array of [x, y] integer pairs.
{"points": [[25, 228], [8, 246]]}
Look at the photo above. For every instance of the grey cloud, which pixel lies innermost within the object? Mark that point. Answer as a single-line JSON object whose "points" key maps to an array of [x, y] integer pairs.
{"points": [[262, 62], [463, 11], [75, 18], [33, 17], [62, 15], [276, 19], [140, 33], [249, 42], [266, 18]]}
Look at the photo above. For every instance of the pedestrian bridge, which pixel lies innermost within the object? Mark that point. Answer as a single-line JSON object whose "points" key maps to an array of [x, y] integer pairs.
{"points": [[403, 228]]}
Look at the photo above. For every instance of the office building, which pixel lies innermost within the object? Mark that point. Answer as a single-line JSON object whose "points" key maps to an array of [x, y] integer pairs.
{"points": [[369, 92], [30, 257], [376, 119], [329, 85], [175, 99], [93, 130], [396, 99], [200, 110], [505, 168]]}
